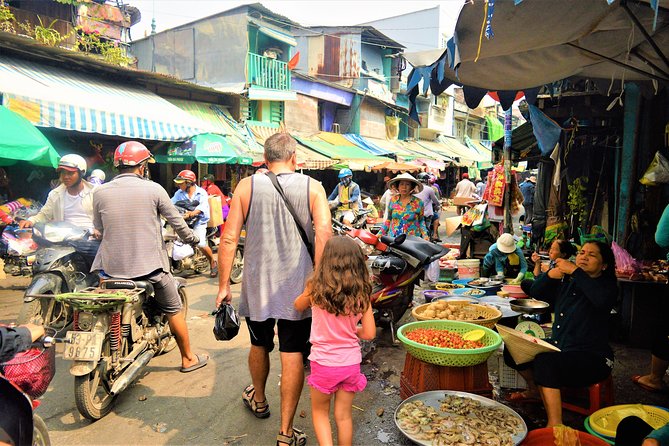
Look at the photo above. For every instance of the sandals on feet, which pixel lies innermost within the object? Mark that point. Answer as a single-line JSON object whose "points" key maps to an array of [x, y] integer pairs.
{"points": [[258, 408], [299, 438]]}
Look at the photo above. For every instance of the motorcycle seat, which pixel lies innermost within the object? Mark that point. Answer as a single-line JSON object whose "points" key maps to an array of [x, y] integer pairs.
{"points": [[422, 250], [128, 284]]}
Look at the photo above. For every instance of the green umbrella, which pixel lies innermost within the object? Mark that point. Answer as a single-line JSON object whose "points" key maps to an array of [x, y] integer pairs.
{"points": [[206, 148], [22, 141]]}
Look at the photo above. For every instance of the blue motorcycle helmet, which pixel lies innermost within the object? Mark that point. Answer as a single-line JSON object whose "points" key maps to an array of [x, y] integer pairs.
{"points": [[345, 173]]}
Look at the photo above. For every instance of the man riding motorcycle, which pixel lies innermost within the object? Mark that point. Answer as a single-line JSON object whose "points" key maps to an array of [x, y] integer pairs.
{"points": [[346, 195], [127, 214], [190, 192], [72, 201]]}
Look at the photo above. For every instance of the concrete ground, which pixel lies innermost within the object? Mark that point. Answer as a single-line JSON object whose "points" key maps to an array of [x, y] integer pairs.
{"points": [[204, 407]]}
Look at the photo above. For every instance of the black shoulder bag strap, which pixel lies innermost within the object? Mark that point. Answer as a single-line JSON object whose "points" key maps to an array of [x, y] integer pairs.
{"points": [[290, 208]]}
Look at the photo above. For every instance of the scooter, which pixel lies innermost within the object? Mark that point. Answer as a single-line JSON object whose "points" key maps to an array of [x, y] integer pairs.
{"points": [[23, 379], [62, 264], [117, 329], [399, 265]]}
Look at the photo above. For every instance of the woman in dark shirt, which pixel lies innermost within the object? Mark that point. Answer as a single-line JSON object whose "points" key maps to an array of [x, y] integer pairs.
{"points": [[583, 293]]}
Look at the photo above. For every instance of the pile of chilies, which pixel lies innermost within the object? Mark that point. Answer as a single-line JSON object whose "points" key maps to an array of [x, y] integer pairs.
{"points": [[441, 338]]}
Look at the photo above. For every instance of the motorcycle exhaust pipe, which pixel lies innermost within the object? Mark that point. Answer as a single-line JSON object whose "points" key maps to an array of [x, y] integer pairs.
{"points": [[131, 372]]}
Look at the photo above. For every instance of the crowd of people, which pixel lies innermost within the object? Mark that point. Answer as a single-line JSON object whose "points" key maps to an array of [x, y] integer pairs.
{"points": [[313, 289]]}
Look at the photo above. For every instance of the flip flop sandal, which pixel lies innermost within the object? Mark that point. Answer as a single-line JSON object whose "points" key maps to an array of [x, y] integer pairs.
{"points": [[201, 362], [258, 408], [299, 438], [213, 272], [635, 380]]}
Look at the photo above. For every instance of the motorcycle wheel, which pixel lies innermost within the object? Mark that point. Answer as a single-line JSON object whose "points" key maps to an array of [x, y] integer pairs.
{"points": [[200, 263], [40, 432], [237, 267], [169, 343], [91, 391], [35, 312]]}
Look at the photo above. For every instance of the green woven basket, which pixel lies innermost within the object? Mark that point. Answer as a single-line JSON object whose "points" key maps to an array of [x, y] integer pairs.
{"points": [[450, 357]]}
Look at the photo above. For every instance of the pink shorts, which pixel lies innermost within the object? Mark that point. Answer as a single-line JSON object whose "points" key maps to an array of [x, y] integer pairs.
{"points": [[328, 379]]}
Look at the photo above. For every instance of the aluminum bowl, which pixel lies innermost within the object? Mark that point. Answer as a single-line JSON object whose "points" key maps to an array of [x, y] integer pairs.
{"points": [[529, 306]]}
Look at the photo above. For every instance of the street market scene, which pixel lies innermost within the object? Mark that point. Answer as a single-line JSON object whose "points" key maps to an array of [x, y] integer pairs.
{"points": [[353, 222]]}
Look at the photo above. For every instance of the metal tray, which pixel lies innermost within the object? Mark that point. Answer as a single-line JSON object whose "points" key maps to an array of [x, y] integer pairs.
{"points": [[432, 398]]}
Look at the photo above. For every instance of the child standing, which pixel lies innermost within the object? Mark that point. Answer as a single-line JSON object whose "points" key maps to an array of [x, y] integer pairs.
{"points": [[338, 294]]}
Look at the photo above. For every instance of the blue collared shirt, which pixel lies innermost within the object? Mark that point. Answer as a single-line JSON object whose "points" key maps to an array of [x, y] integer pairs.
{"points": [[201, 196]]}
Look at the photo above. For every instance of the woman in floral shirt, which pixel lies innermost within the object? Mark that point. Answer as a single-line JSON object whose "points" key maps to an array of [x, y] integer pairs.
{"points": [[405, 212]]}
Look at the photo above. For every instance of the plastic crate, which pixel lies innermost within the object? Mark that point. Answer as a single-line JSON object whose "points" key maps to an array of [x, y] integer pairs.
{"points": [[508, 377]]}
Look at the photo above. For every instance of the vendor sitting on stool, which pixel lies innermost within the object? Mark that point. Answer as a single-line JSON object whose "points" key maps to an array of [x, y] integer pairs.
{"points": [[583, 293], [504, 258]]}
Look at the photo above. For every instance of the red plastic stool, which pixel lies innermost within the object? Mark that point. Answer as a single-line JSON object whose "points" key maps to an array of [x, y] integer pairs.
{"points": [[599, 395]]}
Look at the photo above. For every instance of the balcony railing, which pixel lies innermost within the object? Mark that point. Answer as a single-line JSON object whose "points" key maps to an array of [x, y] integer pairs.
{"points": [[268, 73]]}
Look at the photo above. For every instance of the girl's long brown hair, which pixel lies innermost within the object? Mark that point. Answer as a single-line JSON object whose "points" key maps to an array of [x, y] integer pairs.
{"points": [[340, 285]]}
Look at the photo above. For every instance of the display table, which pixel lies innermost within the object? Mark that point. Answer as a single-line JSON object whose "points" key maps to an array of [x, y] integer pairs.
{"points": [[640, 303]]}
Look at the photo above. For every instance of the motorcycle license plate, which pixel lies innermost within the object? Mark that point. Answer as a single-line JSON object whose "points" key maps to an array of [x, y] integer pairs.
{"points": [[83, 346]]}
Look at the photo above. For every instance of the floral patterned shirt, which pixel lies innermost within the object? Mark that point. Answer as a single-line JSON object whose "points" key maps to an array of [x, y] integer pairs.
{"points": [[407, 219]]}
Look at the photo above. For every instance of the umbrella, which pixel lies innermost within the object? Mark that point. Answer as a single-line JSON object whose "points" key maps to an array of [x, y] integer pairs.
{"points": [[22, 141], [535, 42], [205, 148]]}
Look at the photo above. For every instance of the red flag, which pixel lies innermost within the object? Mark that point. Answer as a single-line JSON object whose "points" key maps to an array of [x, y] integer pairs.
{"points": [[292, 63]]}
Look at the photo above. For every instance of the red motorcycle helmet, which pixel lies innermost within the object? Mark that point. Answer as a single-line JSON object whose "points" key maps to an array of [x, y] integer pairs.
{"points": [[131, 153], [187, 176]]}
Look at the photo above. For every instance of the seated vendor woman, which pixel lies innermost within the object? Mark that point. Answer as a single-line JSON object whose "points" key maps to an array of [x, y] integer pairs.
{"points": [[504, 258], [583, 293]]}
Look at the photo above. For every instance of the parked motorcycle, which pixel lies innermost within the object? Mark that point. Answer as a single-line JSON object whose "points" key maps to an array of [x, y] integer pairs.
{"points": [[117, 329], [183, 256], [17, 249], [399, 265], [23, 379], [62, 264], [237, 272]]}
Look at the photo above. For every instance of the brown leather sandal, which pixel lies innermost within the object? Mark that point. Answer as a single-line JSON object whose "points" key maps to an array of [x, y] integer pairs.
{"points": [[299, 438]]}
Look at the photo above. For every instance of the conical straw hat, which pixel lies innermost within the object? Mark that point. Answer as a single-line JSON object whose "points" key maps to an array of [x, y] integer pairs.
{"points": [[523, 347]]}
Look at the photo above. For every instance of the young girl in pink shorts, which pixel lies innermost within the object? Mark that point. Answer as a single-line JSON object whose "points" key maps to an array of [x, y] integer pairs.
{"points": [[338, 294]]}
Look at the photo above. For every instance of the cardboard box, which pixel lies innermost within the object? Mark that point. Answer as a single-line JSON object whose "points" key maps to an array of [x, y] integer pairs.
{"points": [[215, 211]]}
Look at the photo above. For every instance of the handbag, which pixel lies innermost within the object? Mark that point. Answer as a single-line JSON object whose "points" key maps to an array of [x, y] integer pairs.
{"points": [[226, 324], [300, 229]]}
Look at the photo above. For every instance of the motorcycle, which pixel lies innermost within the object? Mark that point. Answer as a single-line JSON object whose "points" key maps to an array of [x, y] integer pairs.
{"points": [[117, 329], [62, 264], [23, 379], [17, 249], [399, 265], [184, 256], [237, 271]]}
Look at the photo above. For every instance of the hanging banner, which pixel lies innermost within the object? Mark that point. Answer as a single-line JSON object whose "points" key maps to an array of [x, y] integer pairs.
{"points": [[494, 190]]}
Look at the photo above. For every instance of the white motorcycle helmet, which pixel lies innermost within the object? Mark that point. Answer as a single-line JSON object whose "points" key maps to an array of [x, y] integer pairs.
{"points": [[97, 173], [72, 163]]}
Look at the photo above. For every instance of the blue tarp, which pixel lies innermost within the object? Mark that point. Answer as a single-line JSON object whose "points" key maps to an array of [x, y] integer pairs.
{"points": [[366, 145]]}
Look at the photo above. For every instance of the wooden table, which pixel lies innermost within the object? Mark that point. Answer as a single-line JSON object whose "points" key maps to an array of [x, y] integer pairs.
{"points": [[640, 307]]}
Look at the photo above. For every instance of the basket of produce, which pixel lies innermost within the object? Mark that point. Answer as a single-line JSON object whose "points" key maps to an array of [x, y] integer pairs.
{"points": [[458, 311], [441, 342]]}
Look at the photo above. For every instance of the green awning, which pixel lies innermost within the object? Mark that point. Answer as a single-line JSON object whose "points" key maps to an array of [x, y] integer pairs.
{"points": [[22, 141], [207, 148], [352, 156], [495, 128]]}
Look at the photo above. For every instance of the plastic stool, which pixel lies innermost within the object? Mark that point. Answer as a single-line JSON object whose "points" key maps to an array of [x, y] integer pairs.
{"points": [[599, 395]]}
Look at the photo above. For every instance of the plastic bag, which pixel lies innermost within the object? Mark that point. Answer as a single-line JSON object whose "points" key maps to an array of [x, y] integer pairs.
{"points": [[181, 250], [625, 263], [657, 172], [226, 324], [432, 271]]}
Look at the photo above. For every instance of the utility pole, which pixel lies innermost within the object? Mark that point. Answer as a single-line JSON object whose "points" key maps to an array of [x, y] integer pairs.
{"points": [[508, 227]]}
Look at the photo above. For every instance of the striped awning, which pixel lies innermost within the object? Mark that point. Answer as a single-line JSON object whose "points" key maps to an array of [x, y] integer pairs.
{"points": [[54, 97]]}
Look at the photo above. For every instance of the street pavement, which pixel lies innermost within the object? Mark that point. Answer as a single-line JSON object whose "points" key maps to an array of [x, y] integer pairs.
{"points": [[204, 407]]}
